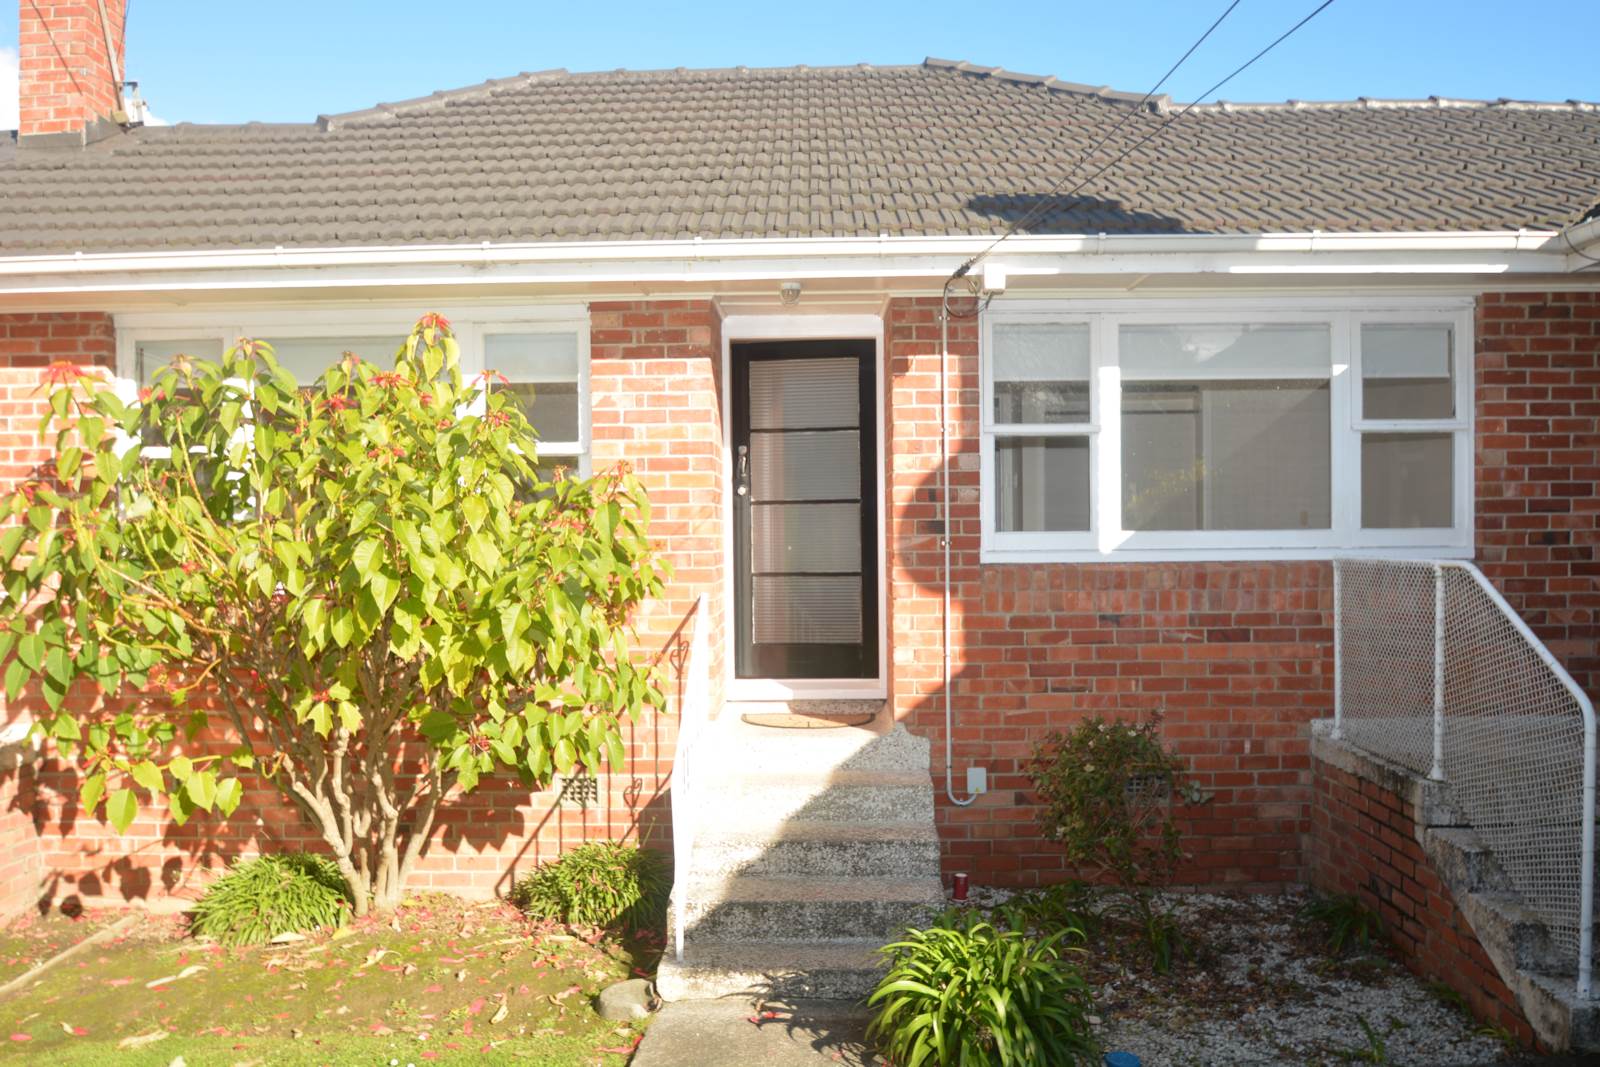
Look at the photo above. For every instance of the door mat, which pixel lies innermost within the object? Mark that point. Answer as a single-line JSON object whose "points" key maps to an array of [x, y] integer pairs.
{"points": [[788, 720]]}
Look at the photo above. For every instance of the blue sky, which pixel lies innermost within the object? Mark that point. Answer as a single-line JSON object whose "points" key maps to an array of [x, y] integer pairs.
{"points": [[288, 60]]}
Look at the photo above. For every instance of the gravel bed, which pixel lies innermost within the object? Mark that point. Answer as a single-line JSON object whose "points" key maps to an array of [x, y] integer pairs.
{"points": [[1259, 988]]}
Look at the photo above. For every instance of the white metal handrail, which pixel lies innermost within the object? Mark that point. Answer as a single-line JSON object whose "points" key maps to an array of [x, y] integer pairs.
{"points": [[693, 714], [1435, 671]]}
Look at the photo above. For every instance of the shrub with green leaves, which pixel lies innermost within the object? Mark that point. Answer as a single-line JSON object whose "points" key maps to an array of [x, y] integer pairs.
{"points": [[270, 895], [344, 578], [1107, 788], [602, 883], [966, 993]]}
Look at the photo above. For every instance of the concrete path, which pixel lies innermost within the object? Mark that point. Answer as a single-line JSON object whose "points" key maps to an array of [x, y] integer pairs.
{"points": [[719, 1033]]}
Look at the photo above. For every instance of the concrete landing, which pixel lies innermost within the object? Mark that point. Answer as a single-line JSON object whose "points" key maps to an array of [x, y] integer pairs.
{"points": [[719, 1033]]}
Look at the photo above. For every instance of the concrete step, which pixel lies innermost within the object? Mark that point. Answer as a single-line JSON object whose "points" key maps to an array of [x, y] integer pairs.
{"points": [[1464, 860], [836, 970], [819, 847], [770, 799], [1554, 1001], [755, 749], [807, 908], [1501, 918]]}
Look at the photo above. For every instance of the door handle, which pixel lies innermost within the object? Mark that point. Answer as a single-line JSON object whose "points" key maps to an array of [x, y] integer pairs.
{"points": [[743, 470]]}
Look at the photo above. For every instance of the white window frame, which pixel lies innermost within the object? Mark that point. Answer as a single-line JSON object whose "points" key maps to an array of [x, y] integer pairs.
{"points": [[479, 333], [1105, 541], [470, 323]]}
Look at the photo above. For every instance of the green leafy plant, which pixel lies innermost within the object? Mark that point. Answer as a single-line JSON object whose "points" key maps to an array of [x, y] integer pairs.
{"points": [[1155, 924], [602, 883], [1062, 906], [338, 579], [1107, 789], [1348, 921], [1166, 938], [270, 895], [967, 993]]}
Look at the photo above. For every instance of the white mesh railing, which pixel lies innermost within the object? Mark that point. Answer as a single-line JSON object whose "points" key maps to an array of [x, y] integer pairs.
{"points": [[694, 711], [1435, 672]]}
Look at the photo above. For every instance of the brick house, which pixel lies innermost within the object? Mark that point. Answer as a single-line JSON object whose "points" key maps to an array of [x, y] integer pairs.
{"points": [[1110, 475]]}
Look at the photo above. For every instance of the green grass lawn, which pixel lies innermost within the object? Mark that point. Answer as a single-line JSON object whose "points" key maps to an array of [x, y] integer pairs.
{"points": [[443, 982]]}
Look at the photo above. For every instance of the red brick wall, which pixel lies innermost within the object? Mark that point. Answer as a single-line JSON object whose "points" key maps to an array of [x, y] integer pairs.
{"points": [[1538, 462], [656, 383], [1237, 656], [1363, 843], [28, 343], [654, 378], [65, 76], [21, 865]]}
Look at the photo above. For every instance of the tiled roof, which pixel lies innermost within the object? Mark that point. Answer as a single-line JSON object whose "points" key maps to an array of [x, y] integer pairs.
{"points": [[940, 148]]}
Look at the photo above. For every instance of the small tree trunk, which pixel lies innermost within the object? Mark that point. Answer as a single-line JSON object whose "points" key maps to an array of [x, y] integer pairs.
{"points": [[357, 885], [389, 889]]}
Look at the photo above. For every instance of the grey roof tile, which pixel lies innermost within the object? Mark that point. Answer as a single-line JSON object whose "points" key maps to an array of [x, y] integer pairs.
{"points": [[944, 147]]}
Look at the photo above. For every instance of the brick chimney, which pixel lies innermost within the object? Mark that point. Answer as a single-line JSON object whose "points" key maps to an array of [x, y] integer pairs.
{"points": [[69, 78]]}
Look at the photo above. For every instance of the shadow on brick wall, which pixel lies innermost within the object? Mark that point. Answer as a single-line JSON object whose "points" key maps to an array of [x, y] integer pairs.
{"points": [[481, 843]]}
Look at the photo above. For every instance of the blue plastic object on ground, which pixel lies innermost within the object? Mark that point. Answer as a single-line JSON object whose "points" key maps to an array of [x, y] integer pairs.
{"points": [[1121, 1059]]}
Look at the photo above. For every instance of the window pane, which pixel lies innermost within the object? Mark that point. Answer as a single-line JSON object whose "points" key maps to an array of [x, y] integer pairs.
{"points": [[552, 407], [1041, 373], [308, 357], [806, 609], [1406, 372], [151, 356], [805, 538], [543, 373], [1407, 480], [802, 465], [1041, 483], [806, 394], [1207, 351], [532, 357], [1226, 455]]}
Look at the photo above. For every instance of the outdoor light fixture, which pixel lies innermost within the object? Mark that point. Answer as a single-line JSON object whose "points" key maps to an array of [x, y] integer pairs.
{"points": [[789, 293]]}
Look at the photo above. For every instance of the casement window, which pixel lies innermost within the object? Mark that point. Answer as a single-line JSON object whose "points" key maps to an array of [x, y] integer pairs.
{"points": [[546, 373], [539, 352], [1198, 432], [155, 350]]}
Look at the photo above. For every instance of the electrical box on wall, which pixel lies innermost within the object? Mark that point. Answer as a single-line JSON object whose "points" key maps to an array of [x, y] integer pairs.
{"points": [[977, 780]]}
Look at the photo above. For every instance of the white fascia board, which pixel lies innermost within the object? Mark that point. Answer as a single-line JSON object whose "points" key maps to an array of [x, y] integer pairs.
{"points": [[907, 259]]}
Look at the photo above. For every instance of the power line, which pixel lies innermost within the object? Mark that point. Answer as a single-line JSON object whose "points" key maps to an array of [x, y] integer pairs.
{"points": [[1052, 195], [1032, 212]]}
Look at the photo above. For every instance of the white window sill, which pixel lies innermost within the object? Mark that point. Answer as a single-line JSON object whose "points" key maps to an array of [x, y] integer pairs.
{"points": [[1222, 555]]}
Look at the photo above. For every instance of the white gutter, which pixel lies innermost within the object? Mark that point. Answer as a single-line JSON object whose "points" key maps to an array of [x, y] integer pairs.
{"points": [[725, 260]]}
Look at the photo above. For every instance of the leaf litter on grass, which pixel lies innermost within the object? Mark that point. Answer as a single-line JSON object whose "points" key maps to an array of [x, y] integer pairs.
{"points": [[441, 975]]}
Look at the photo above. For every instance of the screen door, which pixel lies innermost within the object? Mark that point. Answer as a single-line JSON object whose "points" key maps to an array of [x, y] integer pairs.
{"points": [[805, 510]]}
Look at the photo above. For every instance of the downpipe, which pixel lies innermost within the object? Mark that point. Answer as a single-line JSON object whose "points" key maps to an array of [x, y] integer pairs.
{"points": [[944, 538]]}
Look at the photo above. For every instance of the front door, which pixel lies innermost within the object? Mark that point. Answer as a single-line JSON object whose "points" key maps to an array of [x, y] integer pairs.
{"points": [[805, 517]]}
